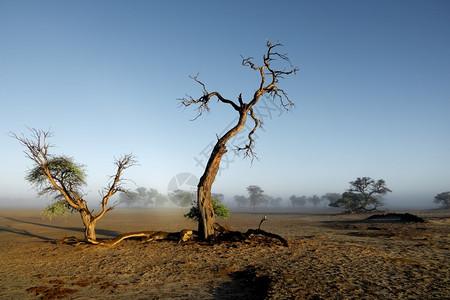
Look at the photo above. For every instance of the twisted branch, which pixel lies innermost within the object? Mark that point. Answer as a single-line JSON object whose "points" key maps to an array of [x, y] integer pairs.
{"points": [[267, 87]]}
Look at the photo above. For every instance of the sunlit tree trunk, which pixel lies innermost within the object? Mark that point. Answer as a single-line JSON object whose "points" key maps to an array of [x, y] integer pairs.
{"points": [[207, 216], [89, 224], [268, 87]]}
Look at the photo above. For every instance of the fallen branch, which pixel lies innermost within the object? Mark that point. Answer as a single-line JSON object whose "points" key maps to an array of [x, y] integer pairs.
{"points": [[224, 234], [182, 236]]}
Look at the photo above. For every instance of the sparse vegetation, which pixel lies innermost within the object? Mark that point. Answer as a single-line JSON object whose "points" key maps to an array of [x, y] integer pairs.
{"points": [[62, 178]]}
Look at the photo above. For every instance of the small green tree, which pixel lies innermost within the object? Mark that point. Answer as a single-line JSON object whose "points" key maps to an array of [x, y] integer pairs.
{"points": [[443, 199], [220, 210], [62, 178]]}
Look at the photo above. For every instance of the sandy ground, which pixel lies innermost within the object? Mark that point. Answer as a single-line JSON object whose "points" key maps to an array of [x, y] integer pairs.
{"points": [[330, 257]]}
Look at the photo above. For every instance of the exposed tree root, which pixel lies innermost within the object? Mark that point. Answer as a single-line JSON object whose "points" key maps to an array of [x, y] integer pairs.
{"points": [[182, 236], [223, 234]]}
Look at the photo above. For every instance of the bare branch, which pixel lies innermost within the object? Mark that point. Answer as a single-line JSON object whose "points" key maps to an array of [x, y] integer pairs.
{"points": [[203, 101], [248, 148], [37, 144], [268, 86], [115, 185]]}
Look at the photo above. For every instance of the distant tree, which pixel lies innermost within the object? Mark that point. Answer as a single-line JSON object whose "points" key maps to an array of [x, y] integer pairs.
{"points": [[143, 196], [218, 196], [241, 200], [331, 198], [443, 199], [364, 195], [158, 198], [256, 195], [272, 201], [270, 74], [129, 198], [314, 200], [61, 177], [182, 198], [298, 201]]}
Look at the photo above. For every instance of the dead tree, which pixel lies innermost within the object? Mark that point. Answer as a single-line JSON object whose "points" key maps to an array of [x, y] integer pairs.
{"points": [[60, 176], [269, 78]]}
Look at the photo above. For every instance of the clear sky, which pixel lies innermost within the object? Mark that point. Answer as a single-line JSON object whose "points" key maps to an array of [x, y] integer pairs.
{"points": [[372, 93]]}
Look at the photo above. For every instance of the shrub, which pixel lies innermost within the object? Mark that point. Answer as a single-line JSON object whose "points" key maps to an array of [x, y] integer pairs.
{"points": [[220, 210]]}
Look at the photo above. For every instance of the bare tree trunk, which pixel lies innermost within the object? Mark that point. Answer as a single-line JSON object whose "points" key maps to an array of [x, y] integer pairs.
{"points": [[268, 87], [207, 216], [89, 224]]}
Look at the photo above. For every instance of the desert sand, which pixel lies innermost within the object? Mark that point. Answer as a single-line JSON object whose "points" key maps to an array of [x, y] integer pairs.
{"points": [[331, 256]]}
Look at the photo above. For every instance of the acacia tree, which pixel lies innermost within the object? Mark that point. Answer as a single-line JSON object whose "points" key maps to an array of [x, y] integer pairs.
{"points": [[256, 195], [62, 177], [443, 199], [364, 194], [269, 77]]}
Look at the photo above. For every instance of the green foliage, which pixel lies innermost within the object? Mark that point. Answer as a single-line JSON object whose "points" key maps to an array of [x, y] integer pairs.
{"points": [[66, 173], [58, 208], [63, 170], [220, 210]]}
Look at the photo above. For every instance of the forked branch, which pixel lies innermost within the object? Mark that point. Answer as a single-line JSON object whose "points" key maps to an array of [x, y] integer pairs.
{"points": [[116, 183], [203, 101]]}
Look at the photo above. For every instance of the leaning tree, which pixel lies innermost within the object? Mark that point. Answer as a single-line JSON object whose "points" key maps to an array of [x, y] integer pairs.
{"points": [[61, 177], [268, 86]]}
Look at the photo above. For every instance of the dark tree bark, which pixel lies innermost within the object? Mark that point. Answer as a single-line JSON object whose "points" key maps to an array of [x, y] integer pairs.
{"points": [[268, 86]]}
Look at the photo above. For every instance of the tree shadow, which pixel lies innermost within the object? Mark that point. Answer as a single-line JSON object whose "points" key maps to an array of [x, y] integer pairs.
{"points": [[105, 232], [245, 284], [24, 232]]}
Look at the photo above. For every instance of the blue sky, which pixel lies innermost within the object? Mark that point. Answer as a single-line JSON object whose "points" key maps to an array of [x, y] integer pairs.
{"points": [[372, 93]]}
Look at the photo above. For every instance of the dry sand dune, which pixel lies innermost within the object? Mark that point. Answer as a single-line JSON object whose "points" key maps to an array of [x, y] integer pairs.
{"points": [[330, 257]]}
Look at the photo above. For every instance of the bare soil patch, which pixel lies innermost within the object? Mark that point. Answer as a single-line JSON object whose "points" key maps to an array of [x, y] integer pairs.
{"points": [[329, 257]]}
